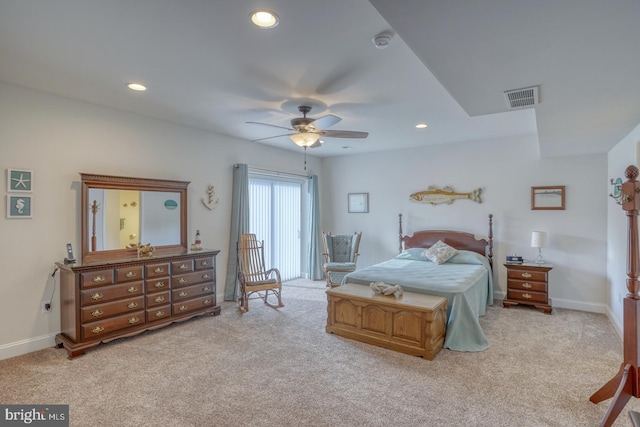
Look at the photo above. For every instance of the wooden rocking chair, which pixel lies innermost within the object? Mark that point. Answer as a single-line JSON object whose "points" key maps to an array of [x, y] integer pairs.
{"points": [[252, 274]]}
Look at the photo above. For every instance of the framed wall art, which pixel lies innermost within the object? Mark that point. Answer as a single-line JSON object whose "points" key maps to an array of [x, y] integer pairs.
{"points": [[18, 206], [547, 198], [358, 202], [19, 180]]}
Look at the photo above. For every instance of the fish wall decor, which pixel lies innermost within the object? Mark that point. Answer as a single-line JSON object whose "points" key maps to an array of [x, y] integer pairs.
{"points": [[448, 195]]}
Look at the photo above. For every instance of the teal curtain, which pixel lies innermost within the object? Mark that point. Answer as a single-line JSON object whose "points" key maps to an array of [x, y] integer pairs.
{"points": [[315, 244], [239, 225]]}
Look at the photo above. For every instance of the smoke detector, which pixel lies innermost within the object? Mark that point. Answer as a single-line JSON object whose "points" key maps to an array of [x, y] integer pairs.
{"points": [[522, 98], [382, 40]]}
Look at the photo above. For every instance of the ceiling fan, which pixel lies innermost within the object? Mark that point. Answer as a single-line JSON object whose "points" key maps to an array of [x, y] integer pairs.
{"points": [[306, 132]]}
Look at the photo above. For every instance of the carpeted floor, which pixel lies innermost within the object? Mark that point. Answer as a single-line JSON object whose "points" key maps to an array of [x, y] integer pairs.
{"points": [[280, 368]]}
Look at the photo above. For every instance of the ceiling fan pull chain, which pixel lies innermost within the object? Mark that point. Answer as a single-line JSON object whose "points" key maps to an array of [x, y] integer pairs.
{"points": [[305, 158]]}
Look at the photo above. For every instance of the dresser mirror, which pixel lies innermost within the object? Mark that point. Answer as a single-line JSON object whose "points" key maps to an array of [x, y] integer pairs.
{"points": [[120, 213]]}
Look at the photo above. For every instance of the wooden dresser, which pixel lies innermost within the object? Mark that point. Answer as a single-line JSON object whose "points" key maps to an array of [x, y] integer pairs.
{"points": [[104, 301], [528, 283]]}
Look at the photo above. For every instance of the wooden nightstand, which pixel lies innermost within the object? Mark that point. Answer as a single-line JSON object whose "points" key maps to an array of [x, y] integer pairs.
{"points": [[528, 283]]}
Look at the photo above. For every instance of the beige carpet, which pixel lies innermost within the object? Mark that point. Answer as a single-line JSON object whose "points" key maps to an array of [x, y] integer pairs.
{"points": [[280, 368]]}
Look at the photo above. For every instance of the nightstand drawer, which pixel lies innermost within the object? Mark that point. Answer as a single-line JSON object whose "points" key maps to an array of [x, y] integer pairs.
{"points": [[527, 285], [527, 296], [539, 276]]}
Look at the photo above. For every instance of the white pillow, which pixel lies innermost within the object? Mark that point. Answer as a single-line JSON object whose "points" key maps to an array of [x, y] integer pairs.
{"points": [[440, 252]]}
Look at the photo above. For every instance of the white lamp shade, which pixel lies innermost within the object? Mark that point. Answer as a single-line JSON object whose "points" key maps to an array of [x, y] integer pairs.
{"points": [[538, 239], [304, 139]]}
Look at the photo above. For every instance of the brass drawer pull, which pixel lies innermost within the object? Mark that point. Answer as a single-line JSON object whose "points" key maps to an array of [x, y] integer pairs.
{"points": [[204, 263], [184, 267], [206, 302], [97, 313], [134, 320], [205, 276], [183, 294], [526, 275], [159, 299], [526, 286], [159, 285], [159, 270], [526, 296], [99, 279], [183, 307], [132, 289], [132, 305], [130, 274], [159, 313], [206, 289], [97, 296], [182, 281], [97, 330]]}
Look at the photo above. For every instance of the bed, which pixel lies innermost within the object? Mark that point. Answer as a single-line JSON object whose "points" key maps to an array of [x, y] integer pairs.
{"points": [[465, 279]]}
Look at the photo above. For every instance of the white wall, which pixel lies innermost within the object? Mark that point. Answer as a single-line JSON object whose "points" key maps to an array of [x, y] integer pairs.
{"points": [[57, 138], [506, 170], [625, 153]]}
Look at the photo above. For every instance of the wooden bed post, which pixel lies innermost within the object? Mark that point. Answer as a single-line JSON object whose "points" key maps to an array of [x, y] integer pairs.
{"points": [[400, 233], [625, 383]]}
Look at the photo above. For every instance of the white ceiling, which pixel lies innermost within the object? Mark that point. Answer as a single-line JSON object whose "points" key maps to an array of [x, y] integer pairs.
{"points": [[448, 65]]}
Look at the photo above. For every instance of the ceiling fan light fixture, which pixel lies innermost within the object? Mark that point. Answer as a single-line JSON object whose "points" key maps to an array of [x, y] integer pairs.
{"points": [[264, 18], [304, 139]]}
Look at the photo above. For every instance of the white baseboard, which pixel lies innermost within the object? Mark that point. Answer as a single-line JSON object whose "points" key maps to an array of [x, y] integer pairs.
{"points": [[19, 348]]}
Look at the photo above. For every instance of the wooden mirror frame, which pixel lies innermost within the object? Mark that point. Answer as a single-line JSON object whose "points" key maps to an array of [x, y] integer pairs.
{"points": [[89, 181]]}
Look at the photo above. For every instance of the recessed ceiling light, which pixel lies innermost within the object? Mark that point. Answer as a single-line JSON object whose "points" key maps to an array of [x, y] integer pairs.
{"points": [[137, 87], [264, 18], [421, 126]]}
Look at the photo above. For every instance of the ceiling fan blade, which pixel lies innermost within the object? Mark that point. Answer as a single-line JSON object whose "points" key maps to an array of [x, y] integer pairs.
{"points": [[343, 134], [326, 121], [316, 144], [267, 124], [269, 137]]}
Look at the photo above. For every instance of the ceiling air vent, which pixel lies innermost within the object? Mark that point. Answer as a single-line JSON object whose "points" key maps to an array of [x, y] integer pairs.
{"points": [[522, 98]]}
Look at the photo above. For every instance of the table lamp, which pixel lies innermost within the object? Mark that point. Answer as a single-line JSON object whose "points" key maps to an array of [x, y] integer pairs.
{"points": [[539, 240]]}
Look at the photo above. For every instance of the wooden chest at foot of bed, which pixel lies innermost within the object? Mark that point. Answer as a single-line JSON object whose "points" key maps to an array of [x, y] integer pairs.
{"points": [[414, 324]]}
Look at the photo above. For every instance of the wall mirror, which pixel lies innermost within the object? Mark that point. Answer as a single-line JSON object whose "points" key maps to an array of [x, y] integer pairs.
{"points": [[119, 213]]}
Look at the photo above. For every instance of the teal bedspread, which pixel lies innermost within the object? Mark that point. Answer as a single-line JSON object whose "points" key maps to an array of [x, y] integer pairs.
{"points": [[465, 280]]}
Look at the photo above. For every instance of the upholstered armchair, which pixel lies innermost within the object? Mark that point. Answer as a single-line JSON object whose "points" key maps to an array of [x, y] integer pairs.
{"points": [[340, 256]]}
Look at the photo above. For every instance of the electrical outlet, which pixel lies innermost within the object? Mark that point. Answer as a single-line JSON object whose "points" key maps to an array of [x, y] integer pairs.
{"points": [[46, 307]]}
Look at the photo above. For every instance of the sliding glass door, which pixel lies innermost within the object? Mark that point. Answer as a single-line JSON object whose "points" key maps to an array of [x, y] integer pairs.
{"points": [[275, 216]]}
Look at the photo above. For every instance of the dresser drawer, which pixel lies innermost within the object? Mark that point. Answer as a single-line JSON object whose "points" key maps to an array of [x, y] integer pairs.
{"points": [[129, 274], [110, 293], [539, 276], [156, 285], [179, 267], [525, 285], [191, 292], [91, 279], [156, 270], [204, 263], [158, 313], [527, 296], [158, 299], [103, 327], [193, 304], [192, 278], [101, 311]]}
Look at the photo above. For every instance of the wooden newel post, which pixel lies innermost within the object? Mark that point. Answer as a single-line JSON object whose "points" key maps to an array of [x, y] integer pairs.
{"points": [[625, 383]]}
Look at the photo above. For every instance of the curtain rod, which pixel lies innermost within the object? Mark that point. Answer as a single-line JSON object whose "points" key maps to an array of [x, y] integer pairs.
{"points": [[277, 172]]}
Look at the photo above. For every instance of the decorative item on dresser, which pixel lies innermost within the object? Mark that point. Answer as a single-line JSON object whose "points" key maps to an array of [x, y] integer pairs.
{"points": [[528, 284], [104, 301]]}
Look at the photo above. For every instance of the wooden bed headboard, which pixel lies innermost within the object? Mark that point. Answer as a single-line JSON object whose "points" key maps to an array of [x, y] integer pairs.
{"points": [[456, 239]]}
